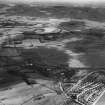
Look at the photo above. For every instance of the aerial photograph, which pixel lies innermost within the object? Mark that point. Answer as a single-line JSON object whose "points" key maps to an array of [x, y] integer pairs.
{"points": [[52, 52]]}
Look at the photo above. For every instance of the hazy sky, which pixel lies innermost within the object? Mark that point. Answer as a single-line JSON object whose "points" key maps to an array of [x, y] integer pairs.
{"points": [[69, 1]]}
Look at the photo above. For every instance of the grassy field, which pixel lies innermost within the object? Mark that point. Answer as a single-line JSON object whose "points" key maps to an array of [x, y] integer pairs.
{"points": [[50, 56]]}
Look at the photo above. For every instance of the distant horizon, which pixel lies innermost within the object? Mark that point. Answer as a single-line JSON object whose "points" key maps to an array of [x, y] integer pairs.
{"points": [[68, 2]]}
